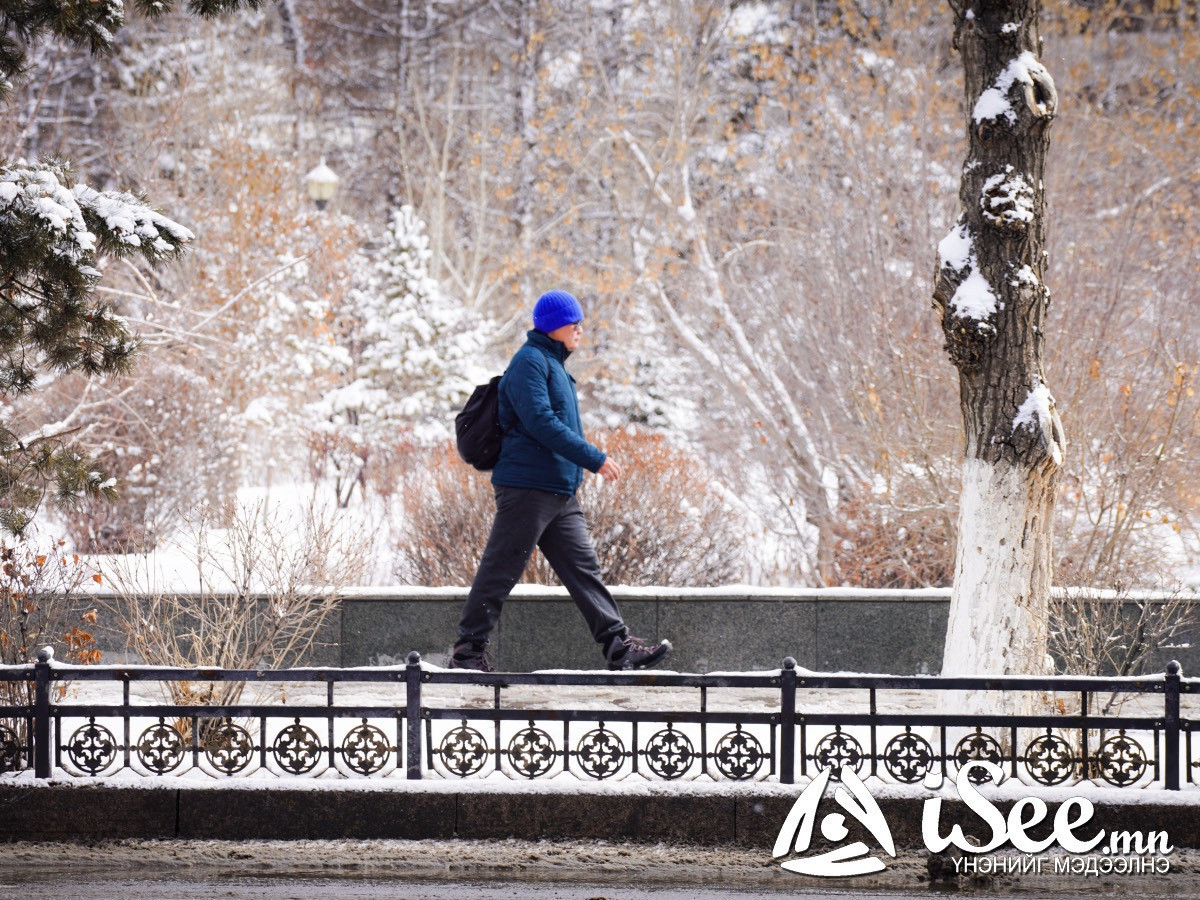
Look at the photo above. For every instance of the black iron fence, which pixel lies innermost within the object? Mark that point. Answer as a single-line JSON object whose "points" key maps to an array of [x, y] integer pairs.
{"points": [[419, 722]]}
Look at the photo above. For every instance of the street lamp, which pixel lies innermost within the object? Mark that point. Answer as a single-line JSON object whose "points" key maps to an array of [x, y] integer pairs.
{"points": [[322, 184]]}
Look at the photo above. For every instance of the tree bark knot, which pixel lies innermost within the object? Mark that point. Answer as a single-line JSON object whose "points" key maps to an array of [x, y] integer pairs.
{"points": [[1026, 77], [1008, 201], [1041, 97]]}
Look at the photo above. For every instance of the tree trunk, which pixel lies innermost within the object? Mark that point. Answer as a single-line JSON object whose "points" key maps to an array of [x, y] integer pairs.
{"points": [[990, 294]]}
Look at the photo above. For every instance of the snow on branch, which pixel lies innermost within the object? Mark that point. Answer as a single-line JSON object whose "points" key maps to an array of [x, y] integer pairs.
{"points": [[36, 195], [128, 221]]}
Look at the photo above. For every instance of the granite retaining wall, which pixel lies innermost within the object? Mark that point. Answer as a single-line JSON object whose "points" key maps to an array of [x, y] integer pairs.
{"points": [[712, 629]]}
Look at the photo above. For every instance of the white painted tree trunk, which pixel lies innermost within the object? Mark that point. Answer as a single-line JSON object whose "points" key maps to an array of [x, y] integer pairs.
{"points": [[998, 610], [990, 292]]}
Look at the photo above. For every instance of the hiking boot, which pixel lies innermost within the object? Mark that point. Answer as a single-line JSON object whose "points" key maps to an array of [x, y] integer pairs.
{"points": [[471, 655], [628, 652]]}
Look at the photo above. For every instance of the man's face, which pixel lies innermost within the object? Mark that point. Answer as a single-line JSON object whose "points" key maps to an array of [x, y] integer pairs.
{"points": [[569, 335]]}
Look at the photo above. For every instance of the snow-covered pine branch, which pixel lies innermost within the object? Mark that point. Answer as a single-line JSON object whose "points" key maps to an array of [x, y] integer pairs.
{"points": [[90, 23], [52, 235]]}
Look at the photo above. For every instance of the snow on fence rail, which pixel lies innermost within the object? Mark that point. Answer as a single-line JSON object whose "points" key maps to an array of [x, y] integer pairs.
{"points": [[419, 721]]}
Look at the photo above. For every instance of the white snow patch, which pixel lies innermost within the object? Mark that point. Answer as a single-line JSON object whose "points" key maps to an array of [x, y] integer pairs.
{"points": [[993, 102], [1007, 198], [1025, 275], [754, 21], [1036, 414], [563, 70], [974, 298], [956, 249]]}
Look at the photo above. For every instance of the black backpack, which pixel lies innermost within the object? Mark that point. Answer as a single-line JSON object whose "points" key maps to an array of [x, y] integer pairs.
{"points": [[477, 428]]}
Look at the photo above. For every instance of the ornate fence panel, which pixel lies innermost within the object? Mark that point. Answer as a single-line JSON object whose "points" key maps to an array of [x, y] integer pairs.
{"points": [[419, 722]]}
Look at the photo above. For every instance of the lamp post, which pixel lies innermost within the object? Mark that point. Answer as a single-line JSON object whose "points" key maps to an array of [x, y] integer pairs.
{"points": [[321, 184]]}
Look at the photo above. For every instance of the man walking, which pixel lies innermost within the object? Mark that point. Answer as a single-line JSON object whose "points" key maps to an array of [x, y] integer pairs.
{"points": [[542, 458]]}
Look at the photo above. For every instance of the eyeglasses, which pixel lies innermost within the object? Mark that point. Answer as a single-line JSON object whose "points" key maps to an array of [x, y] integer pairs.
{"points": [[578, 326]]}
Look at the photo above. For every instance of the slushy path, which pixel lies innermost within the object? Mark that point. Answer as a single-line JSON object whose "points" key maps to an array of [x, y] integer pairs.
{"points": [[496, 870]]}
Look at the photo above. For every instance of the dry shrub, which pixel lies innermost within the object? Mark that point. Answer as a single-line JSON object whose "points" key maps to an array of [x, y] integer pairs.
{"points": [[267, 582], [1130, 480], [1117, 632], [36, 610], [339, 458], [890, 545], [448, 509], [351, 460], [169, 444], [389, 461], [665, 523]]}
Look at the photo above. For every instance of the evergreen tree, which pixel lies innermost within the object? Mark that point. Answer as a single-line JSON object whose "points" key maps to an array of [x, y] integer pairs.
{"points": [[417, 347], [53, 233], [93, 23]]}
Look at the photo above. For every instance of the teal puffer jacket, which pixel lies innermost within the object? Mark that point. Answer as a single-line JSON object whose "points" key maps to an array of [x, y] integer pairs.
{"points": [[543, 445]]}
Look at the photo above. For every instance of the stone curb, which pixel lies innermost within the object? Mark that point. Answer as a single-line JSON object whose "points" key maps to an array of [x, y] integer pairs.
{"points": [[97, 812]]}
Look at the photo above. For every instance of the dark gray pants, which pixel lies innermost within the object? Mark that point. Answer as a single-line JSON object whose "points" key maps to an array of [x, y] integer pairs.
{"points": [[554, 523]]}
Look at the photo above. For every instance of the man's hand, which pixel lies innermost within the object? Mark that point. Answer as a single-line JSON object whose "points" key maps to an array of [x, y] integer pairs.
{"points": [[610, 471]]}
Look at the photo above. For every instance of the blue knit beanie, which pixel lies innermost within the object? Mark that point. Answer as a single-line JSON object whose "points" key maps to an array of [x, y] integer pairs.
{"points": [[554, 309]]}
